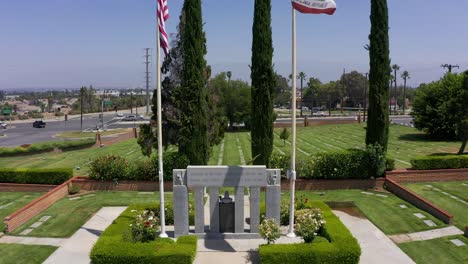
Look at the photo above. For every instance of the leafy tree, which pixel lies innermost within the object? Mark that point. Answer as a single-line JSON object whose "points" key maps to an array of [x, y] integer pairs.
{"points": [[378, 123], [282, 92], [355, 85], [2, 95], [263, 84], [191, 97], [284, 135], [311, 97], [441, 108], [301, 76]]}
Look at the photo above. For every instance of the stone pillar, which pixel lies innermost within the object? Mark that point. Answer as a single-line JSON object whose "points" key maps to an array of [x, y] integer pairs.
{"points": [[214, 209], [273, 195], [239, 210], [198, 195], [254, 209], [181, 217]]}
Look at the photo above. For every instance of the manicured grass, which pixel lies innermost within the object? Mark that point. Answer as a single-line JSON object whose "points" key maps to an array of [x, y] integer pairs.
{"points": [[384, 212], [455, 207], [24, 254], [69, 215], [81, 158], [78, 134], [440, 251], [14, 201]]}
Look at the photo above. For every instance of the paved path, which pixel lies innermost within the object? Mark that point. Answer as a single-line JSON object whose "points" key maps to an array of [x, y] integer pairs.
{"points": [[426, 235], [75, 250], [376, 247]]}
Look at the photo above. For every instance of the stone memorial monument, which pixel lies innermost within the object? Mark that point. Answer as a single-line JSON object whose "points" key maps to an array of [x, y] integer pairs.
{"points": [[197, 178]]}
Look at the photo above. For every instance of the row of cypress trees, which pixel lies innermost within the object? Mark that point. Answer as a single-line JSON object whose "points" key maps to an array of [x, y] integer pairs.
{"points": [[193, 140]]}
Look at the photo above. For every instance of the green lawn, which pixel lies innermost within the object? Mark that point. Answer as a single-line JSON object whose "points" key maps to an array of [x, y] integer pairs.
{"points": [[12, 201], [69, 215], [24, 254], [440, 251], [384, 212], [81, 158], [458, 209]]}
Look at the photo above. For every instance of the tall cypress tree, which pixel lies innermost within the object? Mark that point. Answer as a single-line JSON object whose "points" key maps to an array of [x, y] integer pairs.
{"points": [[379, 57], [263, 83], [191, 96]]}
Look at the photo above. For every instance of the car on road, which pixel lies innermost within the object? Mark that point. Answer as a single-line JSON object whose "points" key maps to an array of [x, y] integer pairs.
{"points": [[120, 115], [319, 113], [39, 124], [132, 118], [3, 125]]}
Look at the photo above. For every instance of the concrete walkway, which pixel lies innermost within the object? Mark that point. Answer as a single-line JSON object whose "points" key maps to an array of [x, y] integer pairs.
{"points": [[376, 247], [426, 235], [75, 250]]}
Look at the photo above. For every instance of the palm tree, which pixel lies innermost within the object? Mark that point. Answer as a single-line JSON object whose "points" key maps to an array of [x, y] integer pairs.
{"points": [[301, 76], [395, 69], [229, 75], [405, 75]]}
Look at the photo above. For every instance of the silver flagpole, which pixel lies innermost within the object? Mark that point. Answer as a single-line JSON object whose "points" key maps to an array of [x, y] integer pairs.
{"points": [[292, 172], [160, 149]]}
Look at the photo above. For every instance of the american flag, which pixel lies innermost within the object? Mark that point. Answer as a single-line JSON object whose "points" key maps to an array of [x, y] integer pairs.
{"points": [[163, 16]]}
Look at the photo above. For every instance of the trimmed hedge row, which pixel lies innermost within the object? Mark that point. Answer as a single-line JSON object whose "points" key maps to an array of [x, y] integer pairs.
{"points": [[440, 162], [35, 176], [346, 164], [46, 147], [113, 167], [341, 246], [114, 245]]}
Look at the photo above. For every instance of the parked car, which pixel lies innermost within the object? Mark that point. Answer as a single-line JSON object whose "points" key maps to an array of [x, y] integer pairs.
{"points": [[120, 115], [39, 124], [319, 113], [3, 125]]}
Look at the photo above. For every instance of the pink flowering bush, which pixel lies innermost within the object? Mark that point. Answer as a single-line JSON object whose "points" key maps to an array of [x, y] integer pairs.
{"points": [[308, 223], [269, 230], [145, 226]]}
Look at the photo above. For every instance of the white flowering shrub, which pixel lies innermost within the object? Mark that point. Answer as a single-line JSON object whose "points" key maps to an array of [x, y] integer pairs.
{"points": [[145, 226], [308, 223], [269, 230]]}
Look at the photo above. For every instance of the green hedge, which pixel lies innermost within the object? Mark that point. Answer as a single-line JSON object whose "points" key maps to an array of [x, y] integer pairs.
{"points": [[113, 167], [35, 176], [440, 162], [46, 147], [115, 247], [341, 246], [346, 164]]}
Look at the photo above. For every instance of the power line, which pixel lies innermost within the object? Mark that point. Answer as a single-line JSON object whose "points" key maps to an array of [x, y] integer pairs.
{"points": [[449, 66]]}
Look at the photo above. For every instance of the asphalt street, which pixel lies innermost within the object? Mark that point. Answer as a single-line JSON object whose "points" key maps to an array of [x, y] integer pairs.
{"points": [[24, 133]]}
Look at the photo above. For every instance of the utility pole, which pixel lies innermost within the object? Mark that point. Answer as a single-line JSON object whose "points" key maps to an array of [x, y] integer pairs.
{"points": [[81, 117], [131, 102], [365, 97], [449, 66], [102, 110], [147, 62]]}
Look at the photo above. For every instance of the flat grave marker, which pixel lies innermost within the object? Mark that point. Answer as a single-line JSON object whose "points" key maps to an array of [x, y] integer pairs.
{"points": [[403, 206], [419, 215], [464, 184], [367, 193], [89, 195], [429, 223], [6, 205], [36, 224], [45, 218], [382, 195], [146, 193], [74, 198], [26, 231], [427, 185], [457, 242]]}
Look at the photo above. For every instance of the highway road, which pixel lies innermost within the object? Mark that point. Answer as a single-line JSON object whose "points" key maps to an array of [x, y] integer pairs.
{"points": [[23, 132]]}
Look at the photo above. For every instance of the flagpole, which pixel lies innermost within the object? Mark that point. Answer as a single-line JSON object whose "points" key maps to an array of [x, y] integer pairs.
{"points": [[160, 149], [292, 173]]}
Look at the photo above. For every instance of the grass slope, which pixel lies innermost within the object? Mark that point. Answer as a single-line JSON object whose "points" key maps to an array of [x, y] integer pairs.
{"points": [[440, 251], [24, 254], [12, 201]]}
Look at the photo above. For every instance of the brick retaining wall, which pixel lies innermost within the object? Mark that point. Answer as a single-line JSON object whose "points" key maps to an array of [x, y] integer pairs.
{"points": [[16, 187], [428, 175], [309, 185], [34, 208], [417, 201]]}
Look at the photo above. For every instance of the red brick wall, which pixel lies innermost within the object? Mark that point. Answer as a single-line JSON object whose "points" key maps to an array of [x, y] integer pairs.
{"points": [[142, 186], [15, 187], [417, 201], [32, 209], [306, 185], [428, 175]]}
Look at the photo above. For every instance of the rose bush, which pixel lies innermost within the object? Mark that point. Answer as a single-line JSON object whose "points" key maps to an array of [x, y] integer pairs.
{"points": [[308, 223]]}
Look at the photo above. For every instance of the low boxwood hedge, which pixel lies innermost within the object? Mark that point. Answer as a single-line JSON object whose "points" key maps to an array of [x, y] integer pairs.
{"points": [[341, 246], [46, 147], [114, 245], [35, 176], [435, 162]]}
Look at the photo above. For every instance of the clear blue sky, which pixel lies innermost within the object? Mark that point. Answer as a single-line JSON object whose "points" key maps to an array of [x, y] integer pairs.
{"points": [[70, 43]]}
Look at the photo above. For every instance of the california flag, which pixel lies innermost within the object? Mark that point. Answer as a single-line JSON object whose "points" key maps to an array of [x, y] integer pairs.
{"points": [[315, 6]]}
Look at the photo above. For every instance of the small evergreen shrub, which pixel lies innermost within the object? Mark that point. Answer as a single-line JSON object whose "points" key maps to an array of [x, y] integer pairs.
{"points": [[73, 189], [436, 162], [35, 176], [109, 168]]}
